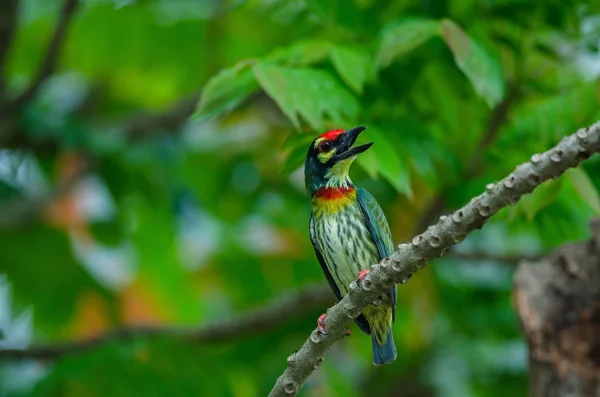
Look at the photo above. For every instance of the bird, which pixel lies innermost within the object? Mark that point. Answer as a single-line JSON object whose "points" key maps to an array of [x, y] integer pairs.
{"points": [[349, 232]]}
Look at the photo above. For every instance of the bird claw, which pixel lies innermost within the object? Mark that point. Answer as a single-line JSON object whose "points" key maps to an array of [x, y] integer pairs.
{"points": [[321, 324], [361, 276]]}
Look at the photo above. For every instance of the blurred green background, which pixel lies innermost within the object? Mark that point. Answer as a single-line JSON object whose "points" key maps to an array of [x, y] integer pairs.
{"points": [[154, 178]]}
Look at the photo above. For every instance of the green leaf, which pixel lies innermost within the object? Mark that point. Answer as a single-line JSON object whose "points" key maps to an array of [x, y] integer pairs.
{"points": [[160, 267], [227, 90], [352, 64], [482, 70], [107, 232], [389, 163], [296, 146], [302, 53], [338, 13], [584, 186], [403, 36], [308, 93], [544, 195], [40, 265]]}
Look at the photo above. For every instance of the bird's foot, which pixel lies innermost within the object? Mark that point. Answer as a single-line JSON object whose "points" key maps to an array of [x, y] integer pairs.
{"points": [[361, 275], [321, 324]]}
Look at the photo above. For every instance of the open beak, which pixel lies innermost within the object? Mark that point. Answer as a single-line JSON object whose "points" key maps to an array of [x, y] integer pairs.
{"points": [[345, 149]]}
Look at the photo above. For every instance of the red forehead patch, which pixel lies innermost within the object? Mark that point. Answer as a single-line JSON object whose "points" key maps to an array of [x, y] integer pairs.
{"points": [[331, 135]]}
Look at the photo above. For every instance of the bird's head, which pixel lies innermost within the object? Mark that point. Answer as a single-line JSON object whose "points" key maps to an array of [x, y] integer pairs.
{"points": [[329, 158]]}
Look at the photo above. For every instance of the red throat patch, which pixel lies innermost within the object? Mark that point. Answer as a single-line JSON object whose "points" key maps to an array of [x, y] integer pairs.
{"points": [[331, 135], [333, 193]]}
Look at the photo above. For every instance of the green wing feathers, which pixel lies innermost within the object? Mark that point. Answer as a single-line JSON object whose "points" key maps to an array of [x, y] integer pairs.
{"points": [[380, 231], [377, 223]]}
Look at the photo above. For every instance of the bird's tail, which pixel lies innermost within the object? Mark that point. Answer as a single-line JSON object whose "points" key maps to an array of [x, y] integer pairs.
{"points": [[386, 353]]}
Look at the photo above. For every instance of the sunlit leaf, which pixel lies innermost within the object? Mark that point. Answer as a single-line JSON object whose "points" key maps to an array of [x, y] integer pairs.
{"points": [[482, 70], [314, 95], [352, 65], [401, 37], [584, 186], [227, 90]]}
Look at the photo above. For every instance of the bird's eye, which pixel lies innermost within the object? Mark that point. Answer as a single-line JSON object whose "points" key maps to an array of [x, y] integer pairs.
{"points": [[325, 146]]}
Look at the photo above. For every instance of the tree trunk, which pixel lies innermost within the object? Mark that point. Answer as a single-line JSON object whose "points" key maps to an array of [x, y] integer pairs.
{"points": [[558, 302]]}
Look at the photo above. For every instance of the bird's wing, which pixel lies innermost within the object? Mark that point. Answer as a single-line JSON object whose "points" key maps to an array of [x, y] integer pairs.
{"points": [[334, 287], [380, 231], [361, 321]]}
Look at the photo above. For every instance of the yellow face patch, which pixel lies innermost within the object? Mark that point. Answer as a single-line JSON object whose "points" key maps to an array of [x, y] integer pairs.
{"points": [[324, 157]]}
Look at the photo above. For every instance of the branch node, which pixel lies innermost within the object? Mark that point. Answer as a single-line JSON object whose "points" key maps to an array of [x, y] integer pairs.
{"points": [[292, 358], [387, 282], [290, 387], [366, 283], [536, 158], [484, 210], [315, 337], [582, 135], [556, 155], [434, 239], [318, 363], [534, 178], [457, 217], [417, 240], [490, 187], [396, 266], [509, 182], [351, 311]]}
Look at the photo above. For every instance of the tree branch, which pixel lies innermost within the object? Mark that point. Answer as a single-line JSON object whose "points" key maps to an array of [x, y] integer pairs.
{"points": [[254, 321], [8, 22], [411, 257], [49, 62]]}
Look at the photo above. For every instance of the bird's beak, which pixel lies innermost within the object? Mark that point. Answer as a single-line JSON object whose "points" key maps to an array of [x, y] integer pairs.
{"points": [[345, 149]]}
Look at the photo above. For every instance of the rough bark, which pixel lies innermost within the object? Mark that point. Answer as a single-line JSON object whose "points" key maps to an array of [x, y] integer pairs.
{"points": [[558, 301]]}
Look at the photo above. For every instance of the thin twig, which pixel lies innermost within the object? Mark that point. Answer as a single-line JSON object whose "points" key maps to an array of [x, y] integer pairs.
{"points": [[49, 60], [411, 257], [258, 320]]}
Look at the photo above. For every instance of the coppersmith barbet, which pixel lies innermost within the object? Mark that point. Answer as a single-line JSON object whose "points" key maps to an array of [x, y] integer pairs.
{"points": [[349, 231]]}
